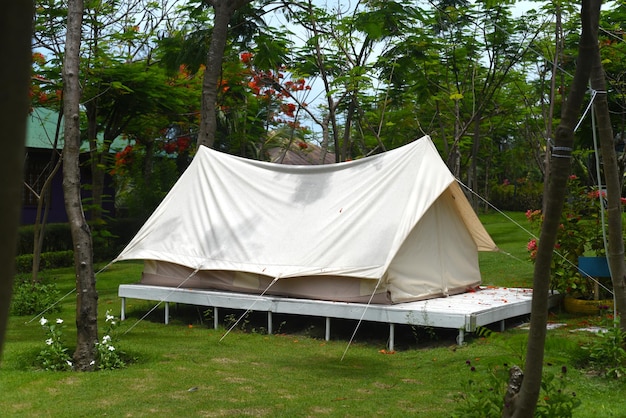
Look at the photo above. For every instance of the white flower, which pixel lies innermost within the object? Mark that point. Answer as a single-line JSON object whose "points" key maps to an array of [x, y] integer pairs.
{"points": [[111, 348], [106, 339], [92, 362], [59, 321], [69, 363], [109, 317], [43, 321], [49, 341]]}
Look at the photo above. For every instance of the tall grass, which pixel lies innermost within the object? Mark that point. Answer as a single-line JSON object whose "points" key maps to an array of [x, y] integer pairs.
{"points": [[182, 369]]}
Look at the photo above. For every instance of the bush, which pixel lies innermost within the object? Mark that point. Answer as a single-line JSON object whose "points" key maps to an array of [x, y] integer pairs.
{"points": [[606, 353], [32, 298], [58, 259], [109, 238], [57, 237], [519, 195]]}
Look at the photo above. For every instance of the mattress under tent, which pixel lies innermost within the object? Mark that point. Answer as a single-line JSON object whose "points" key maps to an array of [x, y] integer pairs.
{"points": [[465, 312]]}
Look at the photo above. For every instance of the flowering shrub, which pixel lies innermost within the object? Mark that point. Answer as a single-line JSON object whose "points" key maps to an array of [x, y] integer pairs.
{"points": [[579, 234], [54, 355], [108, 356]]}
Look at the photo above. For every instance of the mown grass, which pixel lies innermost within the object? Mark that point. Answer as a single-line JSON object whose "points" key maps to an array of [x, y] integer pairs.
{"points": [[182, 369]]}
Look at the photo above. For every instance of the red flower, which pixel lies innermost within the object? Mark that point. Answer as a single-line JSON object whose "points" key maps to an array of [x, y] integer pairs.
{"points": [[246, 57]]}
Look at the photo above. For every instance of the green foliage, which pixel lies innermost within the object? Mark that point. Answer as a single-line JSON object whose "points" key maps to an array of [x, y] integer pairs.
{"points": [[24, 263], [606, 353], [483, 394], [139, 195], [54, 356], [555, 400], [517, 195], [57, 237], [579, 234], [32, 298]]}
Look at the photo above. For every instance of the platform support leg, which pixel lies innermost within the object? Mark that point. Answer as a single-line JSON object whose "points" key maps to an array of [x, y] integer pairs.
{"points": [[269, 322], [392, 332], [327, 334], [123, 312], [461, 337], [502, 326], [167, 313], [216, 318]]}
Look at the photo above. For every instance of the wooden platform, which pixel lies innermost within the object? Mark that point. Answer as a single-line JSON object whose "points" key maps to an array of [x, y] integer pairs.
{"points": [[465, 312]]}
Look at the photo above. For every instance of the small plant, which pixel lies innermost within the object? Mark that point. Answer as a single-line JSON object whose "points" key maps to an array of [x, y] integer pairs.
{"points": [[207, 315], [108, 357], [606, 353], [30, 298], [483, 396], [242, 322], [555, 401], [54, 355]]}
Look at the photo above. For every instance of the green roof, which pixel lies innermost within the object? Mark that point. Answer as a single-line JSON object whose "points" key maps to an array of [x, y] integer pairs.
{"points": [[42, 124]]}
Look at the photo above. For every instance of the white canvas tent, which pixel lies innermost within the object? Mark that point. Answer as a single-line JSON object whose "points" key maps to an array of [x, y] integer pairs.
{"points": [[392, 228]]}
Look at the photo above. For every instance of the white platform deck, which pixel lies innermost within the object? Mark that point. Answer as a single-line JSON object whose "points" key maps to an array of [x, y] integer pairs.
{"points": [[464, 312]]}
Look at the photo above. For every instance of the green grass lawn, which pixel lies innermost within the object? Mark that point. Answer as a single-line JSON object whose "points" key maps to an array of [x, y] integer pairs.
{"points": [[182, 369]]}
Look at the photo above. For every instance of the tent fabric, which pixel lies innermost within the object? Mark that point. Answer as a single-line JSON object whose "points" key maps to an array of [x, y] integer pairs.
{"points": [[398, 218]]}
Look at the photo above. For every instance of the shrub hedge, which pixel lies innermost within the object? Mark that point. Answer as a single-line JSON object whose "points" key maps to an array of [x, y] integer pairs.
{"points": [[49, 260], [109, 238]]}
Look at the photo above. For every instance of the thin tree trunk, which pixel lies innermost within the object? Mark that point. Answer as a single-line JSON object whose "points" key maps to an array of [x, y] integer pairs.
{"points": [[613, 187], [86, 295], [550, 116], [472, 176], [41, 219], [43, 201], [224, 10], [15, 49], [523, 404]]}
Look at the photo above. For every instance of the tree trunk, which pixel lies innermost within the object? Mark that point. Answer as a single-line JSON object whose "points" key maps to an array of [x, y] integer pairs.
{"points": [[550, 115], [613, 187], [86, 295], [15, 48], [224, 10], [526, 401], [41, 219], [43, 202]]}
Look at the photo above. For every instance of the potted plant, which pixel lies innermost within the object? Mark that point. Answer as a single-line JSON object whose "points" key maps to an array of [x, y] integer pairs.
{"points": [[579, 237]]}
